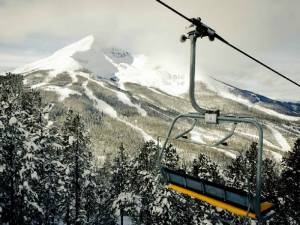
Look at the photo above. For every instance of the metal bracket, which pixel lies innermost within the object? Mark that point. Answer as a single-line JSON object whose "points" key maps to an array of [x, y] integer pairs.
{"points": [[212, 116]]}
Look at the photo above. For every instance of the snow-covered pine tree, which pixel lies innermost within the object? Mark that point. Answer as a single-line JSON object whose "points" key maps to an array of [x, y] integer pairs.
{"points": [[77, 161], [144, 181], [120, 172], [242, 175], [270, 180], [51, 170], [124, 199], [90, 194], [19, 156], [104, 211], [242, 172], [171, 158], [289, 209], [10, 144], [204, 168], [171, 207], [158, 204]]}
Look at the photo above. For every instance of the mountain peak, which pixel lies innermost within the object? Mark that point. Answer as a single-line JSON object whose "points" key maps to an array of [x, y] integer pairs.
{"points": [[86, 54], [61, 60], [82, 45]]}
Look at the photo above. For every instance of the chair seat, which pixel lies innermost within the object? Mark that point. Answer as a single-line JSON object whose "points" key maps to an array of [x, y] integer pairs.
{"points": [[228, 198]]}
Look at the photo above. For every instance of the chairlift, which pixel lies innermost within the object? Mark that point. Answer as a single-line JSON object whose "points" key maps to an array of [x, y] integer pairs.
{"points": [[236, 201]]}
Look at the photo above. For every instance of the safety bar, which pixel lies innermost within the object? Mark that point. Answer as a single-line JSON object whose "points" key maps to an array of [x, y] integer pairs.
{"points": [[187, 131], [180, 137], [227, 137]]}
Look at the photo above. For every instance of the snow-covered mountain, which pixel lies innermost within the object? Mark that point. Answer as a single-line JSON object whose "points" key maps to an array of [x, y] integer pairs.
{"points": [[138, 100], [85, 54], [284, 107]]}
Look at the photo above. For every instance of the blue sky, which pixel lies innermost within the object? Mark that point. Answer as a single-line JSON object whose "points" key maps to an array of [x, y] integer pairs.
{"points": [[270, 30]]}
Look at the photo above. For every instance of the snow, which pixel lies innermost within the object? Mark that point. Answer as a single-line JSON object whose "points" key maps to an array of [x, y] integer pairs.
{"points": [[95, 61], [276, 114], [293, 129], [26, 185], [280, 139], [141, 96], [72, 139], [196, 136], [34, 176], [73, 76], [266, 142], [29, 156], [63, 92], [101, 160], [99, 104], [13, 121], [2, 168], [124, 98], [126, 220], [141, 72], [276, 156], [86, 54], [229, 153], [124, 198], [146, 136], [35, 205], [22, 170], [271, 112], [206, 134], [201, 135], [1, 125], [49, 124], [224, 90], [110, 111], [61, 60]]}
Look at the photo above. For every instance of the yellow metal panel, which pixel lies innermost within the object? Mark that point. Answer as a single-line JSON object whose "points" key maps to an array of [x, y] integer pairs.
{"points": [[220, 204], [265, 206]]}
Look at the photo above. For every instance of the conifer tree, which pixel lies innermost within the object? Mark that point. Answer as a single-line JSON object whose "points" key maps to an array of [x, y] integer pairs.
{"points": [[242, 175], [104, 209], [51, 182], [158, 204], [289, 194], [120, 172], [19, 148], [143, 181], [242, 172], [77, 162], [124, 200], [204, 168]]}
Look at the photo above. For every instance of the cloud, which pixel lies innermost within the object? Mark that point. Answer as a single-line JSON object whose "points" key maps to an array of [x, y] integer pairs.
{"points": [[11, 61], [263, 28]]}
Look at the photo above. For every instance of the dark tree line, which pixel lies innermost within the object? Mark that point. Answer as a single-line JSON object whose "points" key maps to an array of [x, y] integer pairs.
{"points": [[47, 174], [142, 196]]}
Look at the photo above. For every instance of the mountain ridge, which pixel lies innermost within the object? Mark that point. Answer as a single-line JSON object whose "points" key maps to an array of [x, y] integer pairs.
{"points": [[139, 101]]}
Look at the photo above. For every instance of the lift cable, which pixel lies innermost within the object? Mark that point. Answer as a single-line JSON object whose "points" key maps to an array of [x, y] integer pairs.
{"points": [[256, 60], [212, 34]]}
